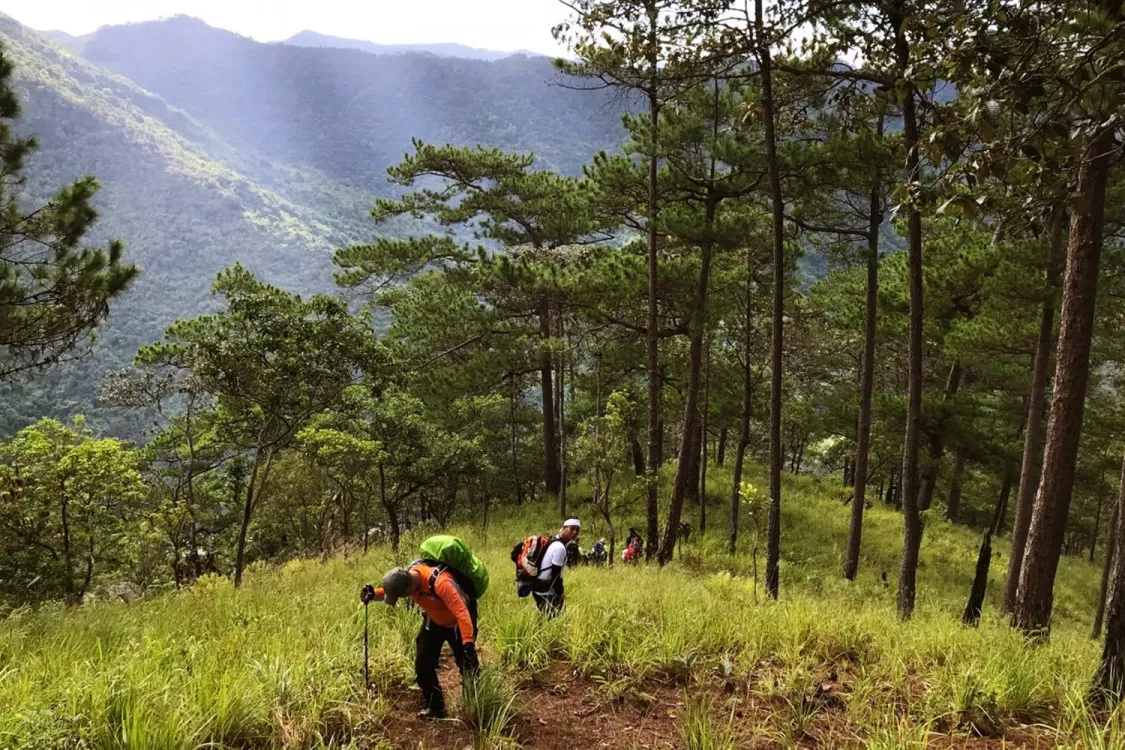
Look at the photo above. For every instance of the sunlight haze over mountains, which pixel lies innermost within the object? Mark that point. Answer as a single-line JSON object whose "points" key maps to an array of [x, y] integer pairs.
{"points": [[501, 25]]}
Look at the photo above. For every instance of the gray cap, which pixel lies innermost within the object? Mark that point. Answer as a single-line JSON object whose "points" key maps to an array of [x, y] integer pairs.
{"points": [[396, 584]]}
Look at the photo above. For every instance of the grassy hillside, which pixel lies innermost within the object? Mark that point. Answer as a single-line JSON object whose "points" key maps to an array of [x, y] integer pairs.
{"points": [[642, 657]]}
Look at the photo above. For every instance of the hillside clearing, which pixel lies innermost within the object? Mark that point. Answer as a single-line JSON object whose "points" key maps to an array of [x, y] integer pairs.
{"points": [[641, 655]]}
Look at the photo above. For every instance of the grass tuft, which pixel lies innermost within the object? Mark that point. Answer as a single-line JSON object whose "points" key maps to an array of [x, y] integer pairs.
{"points": [[488, 708]]}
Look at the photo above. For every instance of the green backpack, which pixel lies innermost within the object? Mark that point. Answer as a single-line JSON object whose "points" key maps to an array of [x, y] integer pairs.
{"points": [[453, 553]]}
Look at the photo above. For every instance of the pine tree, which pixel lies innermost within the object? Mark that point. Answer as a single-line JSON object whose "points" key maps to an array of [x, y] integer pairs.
{"points": [[530, 214], [53, 290]]}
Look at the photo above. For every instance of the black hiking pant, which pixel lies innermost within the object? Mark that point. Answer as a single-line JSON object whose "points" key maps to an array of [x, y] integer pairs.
{"points": [[428, 647], [549, 597]]}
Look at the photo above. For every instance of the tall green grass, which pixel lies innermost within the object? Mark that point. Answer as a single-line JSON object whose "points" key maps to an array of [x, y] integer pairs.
{"points": [[279, 662]]}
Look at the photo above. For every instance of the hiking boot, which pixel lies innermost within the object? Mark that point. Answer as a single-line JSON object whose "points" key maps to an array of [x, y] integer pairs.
{"points": [[429, 714]]}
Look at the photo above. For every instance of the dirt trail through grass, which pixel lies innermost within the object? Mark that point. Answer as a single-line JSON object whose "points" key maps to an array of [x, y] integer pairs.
{"points": [[560, 710]]}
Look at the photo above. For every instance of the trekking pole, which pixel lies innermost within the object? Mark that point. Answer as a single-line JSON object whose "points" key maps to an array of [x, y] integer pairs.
{"points": [[366, 669]]}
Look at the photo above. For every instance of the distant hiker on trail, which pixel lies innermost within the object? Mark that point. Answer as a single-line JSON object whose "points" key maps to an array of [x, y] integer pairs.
{"points": [[548, 590], [572, 553], [540, 562], [597, 554], [634, 547], [444, 593]]}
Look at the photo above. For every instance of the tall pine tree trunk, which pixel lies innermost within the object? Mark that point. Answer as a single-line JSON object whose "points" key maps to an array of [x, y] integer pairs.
{"points": [[1097, 526], [1005, 496], [1109, 682], [912, 517], [975, 605], [953, 507], [637, 454], [1111, 552], [721, 450], [744, 420], [1036, 407], [562, 421], [867, 372], [691, 492], [258, 477], [1035, 595], [703, 442], [655, 426], [688, 454], [515, 443], [694, 439], [547, 394], [937, 441], [773, 529]]}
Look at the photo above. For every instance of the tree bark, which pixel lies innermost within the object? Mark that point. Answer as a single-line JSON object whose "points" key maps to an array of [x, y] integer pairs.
{"points": [[515, 444], [654, 423], [637, 453], [1097, 527], [691, 492], [937, 441], [953, 507], [1033, 433], [562, 424], [553, 478], [1005, 496], [744, 422], [912, 518], [1109, 682], [867, 371], [1035, 595], [253, 491], [64, 517], [1111, 552], [721, 451], [703, 441], [971, 615], [688, 454], [773, 529]]}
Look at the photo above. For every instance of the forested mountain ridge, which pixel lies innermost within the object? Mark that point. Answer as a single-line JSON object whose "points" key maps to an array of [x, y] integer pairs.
{"points": [[309, 38], [214, 162], [175, 193], [352, 114]]}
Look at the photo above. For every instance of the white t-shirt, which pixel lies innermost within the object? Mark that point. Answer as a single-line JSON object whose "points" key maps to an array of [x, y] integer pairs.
{"points": [[555, 556]]}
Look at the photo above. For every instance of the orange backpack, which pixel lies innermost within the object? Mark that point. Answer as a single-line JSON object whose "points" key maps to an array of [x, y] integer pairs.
{"points": [[528, 557]]}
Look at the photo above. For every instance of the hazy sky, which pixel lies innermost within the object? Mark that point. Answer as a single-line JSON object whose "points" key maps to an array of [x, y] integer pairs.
{"points": [[505, 25]]}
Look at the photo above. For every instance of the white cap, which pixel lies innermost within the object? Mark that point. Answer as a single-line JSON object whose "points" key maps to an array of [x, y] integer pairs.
{"points": [[572, 522]]}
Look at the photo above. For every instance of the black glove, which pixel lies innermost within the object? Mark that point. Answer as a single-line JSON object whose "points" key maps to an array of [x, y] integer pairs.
{"points": [[472, 662], [367, 594]]}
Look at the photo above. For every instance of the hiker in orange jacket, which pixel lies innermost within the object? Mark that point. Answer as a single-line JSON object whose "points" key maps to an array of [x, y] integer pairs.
{"points": [[450, 617]]}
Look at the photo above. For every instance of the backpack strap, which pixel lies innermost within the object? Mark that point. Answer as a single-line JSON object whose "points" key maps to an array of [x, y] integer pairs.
{"points": [[437, 568], [556, 570]]}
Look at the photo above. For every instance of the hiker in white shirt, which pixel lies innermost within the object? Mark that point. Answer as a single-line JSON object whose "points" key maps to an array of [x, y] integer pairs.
{"points": [[548, 592]]}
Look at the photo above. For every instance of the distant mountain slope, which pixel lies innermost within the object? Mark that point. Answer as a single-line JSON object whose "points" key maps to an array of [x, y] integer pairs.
{"points": [[69, 42], [351, 114], [315, 39], [175, 193]]}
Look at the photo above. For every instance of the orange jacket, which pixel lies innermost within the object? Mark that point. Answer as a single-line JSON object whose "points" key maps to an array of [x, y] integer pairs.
{"points": [[446, 605]]}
